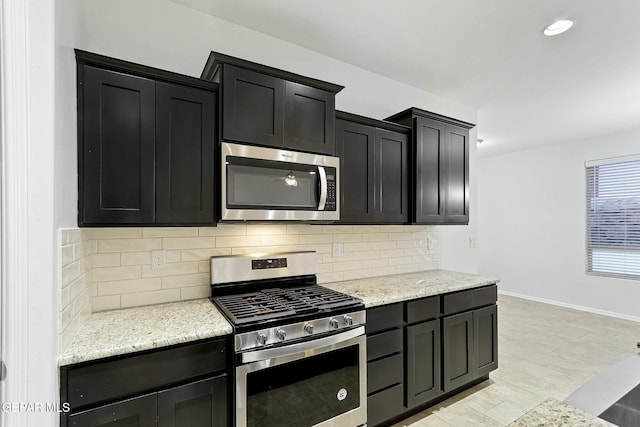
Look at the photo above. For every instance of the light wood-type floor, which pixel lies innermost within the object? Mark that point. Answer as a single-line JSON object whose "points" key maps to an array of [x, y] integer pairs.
{"points": [[544, 351]]}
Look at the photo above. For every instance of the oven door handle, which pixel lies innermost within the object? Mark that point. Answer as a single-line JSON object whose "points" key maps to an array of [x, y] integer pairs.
{"points": [[306, 346], [322, 173]]}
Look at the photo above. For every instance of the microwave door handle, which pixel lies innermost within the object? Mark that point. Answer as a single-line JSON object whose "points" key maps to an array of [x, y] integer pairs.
{"points": [[323, 188]]}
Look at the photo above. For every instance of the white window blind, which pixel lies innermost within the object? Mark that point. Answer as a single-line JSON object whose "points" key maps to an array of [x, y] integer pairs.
{"points": [[613, 217]]}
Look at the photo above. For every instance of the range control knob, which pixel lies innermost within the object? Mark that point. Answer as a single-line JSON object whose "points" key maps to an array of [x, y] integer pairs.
{"points": [[281, 334], [308, 328], [348, 320], [334, 323], [261, 338]]}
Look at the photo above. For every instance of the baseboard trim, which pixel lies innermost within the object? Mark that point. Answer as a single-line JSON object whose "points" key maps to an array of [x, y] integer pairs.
{"points": [[572, 306]]}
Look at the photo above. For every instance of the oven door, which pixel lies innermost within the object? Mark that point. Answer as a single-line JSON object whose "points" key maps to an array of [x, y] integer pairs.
{"points": [[319, 382], [270, 184]]}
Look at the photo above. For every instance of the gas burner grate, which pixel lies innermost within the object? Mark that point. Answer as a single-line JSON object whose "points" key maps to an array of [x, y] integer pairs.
{"points": [[316, 297], [244, 308], [282, 302]]}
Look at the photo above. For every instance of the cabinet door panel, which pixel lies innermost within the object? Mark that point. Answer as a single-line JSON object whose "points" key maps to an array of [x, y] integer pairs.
{"points": [[309, 119], [390, 173], [184, 154], [384, 344], [429, 191], [384, 317], [385, 405], [485, 340], [423, 362], [136, 412], [457, 175], [457, 339], [384, 373], [355, 148], [253, 107], [199, 404], [117, 150]]}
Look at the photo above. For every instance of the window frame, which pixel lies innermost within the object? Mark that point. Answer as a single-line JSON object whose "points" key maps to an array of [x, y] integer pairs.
{"points": [[618, 252]]}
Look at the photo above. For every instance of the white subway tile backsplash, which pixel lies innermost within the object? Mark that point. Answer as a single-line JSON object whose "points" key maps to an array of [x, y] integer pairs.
{"points": [[106, 260], [195, 292], [188, 242], [173, 256], [224, 230], [200, 254], [337, 229], [315, 238], [135, 258], [149, 298], [129, 286], [265, 229], [129, 245], [106, 274], [173, 269], [344, 238], [116, 233], [279, 240], [348, 265], [170, 232], [375, 237], [66, 255], [303, 229], [169, 282], [107, 302], [110, 268], [235, 241]]}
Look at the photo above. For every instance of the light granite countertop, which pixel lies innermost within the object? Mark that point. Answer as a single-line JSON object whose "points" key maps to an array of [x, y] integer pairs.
{"points": [[382, 290], [554, 413], [116, 332]]}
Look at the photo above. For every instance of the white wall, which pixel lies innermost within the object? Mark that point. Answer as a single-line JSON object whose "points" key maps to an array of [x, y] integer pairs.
{"points": [[532, 224]]}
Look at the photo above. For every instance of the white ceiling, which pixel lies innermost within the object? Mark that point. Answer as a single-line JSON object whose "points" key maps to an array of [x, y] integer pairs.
{"points": [[490, 54]]}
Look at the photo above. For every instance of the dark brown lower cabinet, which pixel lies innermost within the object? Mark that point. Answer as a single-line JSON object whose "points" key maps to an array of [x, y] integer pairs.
{"points": [[197, 404], [139, 411], [485, 339], [470, 346], [457, 343], [423, 362], [422, 351], [178, 386]]}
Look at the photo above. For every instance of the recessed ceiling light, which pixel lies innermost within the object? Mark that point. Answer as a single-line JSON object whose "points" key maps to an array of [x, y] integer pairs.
{"points": [[558, 27]]}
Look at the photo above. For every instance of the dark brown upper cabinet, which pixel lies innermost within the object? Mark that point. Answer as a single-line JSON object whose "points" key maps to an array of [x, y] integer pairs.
{"points": [[266, 106], [374, 170], [439, 167], [146, 141]]}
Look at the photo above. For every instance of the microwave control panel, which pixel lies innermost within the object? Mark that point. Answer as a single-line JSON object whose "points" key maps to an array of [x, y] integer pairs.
{"points": [[330, 204]]}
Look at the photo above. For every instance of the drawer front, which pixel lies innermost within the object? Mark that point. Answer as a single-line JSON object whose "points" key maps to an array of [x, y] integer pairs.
{"points": [[384, 343], [384, 317], [487, 295], [384, 373], [102, 381], [385, 405], [457, 302], [423, 309]]}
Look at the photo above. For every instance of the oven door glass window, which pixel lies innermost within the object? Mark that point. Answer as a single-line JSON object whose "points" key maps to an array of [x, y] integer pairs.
{"points": [[304, 392], [266, 184]]}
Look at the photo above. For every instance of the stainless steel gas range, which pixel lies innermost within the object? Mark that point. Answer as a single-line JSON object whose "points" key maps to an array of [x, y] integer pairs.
{"points": [[300, 348]]}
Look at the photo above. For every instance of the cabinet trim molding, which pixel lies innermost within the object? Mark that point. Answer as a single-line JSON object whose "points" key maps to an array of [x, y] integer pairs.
{"points": [[217, 60]]}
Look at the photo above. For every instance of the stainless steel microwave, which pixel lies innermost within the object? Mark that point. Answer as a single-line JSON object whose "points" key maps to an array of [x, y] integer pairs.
{"points": [[263, 184]]}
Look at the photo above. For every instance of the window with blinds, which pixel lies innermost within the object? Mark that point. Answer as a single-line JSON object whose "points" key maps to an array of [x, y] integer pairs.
{"points": [[613, 217]]}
